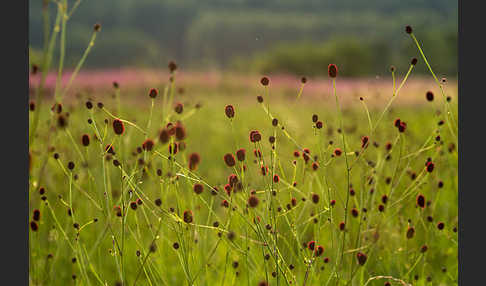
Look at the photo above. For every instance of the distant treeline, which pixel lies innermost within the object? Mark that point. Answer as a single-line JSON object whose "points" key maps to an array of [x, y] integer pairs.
{"points": [[298, 37]]}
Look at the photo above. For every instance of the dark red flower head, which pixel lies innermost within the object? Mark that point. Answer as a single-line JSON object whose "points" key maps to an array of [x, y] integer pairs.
{"points": [[148, 145], [225, 204], [315, 198], [229, 159], [402, 127], [440, 226], [232, 180], [361, 258], [264, 81], [429, 95], [118, 126], [172, 66], [229, 110], [319, 251], [408, 29], [342, 225], [240, 154], [153, 93], [276, 179], [85, 140], [253, 201], [311, 245], [194, 160], [180, 132], [397, 122], [36, 215], [179, 107], [164, 136], [430, 166], [421, 201], [332, 70], [410, 232], [337, 152], [198, 188], [188, 216], [364, 141], [255, 136]]}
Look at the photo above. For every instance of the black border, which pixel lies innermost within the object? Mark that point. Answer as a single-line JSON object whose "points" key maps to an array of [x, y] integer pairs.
{"points": [[14, 127], [472, 104]]}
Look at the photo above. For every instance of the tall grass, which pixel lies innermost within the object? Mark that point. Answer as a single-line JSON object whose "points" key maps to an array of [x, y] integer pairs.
{"points": [[311, 202]]}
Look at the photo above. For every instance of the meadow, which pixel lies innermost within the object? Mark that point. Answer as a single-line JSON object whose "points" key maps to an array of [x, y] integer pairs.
{"points": [[244, 184]]}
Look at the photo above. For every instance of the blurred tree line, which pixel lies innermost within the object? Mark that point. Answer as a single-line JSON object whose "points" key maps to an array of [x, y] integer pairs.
{"points": [[299, 37]]}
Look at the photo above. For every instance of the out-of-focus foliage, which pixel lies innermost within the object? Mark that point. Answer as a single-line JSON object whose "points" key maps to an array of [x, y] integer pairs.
{"points": [[273, 34]]}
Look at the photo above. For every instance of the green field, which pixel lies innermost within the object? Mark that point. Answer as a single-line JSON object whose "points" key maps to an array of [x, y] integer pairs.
{"points": [[239, 244]]}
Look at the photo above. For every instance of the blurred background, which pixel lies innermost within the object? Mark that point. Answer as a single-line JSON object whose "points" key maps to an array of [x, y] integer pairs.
{"points": [[258, 37]]}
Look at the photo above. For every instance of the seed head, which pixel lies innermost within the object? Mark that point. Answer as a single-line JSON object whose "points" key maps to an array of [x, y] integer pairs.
{"points": [[264, 81], [172, 66], [118, 127], [253, 201], [85, 140], [34, 226], [148, 145], [413, 61], [194, 160], [421, 201], [342, 225], [275, 122], [97, 27], [188, 216], [311, 245], [229, 159], [164, 136], [36, 215], [315, 198], [153, 93], [255, 136], [198, 189], [332, 70], [240, 154], [337, 152], [62, 121], [410, 232], [361, 258], [260, 99], [229, 110], [440, 226], [408, 29], [133, 205], [178, 108], [402, 127], [364, 141], [180, 132]]}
